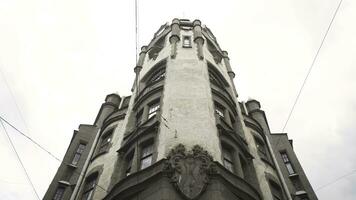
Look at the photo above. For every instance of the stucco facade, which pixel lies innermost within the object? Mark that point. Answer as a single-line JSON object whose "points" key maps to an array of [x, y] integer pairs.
{"points": [[182, 134]]}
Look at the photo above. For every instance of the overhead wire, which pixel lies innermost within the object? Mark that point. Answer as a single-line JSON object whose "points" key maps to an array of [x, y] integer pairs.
{"points": [[19, 159], [336, 180], [309, 71], [2, 119], [312, 65]]}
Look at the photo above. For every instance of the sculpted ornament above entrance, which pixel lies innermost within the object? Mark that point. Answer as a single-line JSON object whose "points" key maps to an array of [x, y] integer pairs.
{"points": [[189, 170]]}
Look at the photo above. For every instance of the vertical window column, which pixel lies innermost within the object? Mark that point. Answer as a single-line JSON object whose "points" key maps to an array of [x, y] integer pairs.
{"points": [[228, 160], [287, 163], [89, 188], [78, 154], [59, 193], [146, 157]]}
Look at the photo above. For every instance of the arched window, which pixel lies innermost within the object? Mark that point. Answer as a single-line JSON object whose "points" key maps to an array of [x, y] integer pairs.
{"points": [[275, 190], [228, 159], [89, 187], [146, 155]]}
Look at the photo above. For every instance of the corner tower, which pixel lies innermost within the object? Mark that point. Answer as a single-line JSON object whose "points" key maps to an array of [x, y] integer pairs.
{"points": [[182, 134]]}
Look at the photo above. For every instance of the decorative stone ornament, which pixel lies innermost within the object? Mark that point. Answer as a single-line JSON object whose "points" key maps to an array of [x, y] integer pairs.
{"points": [[189, 171]]}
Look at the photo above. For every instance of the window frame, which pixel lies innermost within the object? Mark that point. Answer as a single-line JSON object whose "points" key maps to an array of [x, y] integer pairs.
{"points": [[107, 137], [61, 193], [78, 154], [89, 187], [153, 109], [188, 39], [228, 159], [219, 110], [144, 156], [287, 163]]}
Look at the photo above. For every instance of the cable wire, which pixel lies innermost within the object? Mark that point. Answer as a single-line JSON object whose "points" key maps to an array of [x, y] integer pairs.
{"points": [[19, 159], [136, 28], [311, 66], [42, 148], [337, 179]]}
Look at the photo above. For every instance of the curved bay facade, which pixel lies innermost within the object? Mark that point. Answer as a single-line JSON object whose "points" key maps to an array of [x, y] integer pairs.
{"points": [[182, 134]]}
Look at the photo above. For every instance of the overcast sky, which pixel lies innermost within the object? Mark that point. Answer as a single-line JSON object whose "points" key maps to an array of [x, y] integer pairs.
{"points": [[62, 57]]}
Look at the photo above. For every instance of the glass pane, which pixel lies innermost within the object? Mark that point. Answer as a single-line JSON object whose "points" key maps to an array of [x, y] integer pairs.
{"points": [[147, 150], [81, 148], [145, 162], [290, 168], [284, 157], [59, 193], [228, 165], [219, 112], [76, 159]]}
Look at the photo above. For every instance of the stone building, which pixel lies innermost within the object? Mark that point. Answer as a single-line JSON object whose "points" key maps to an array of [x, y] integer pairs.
{"points": [[182, 134]]}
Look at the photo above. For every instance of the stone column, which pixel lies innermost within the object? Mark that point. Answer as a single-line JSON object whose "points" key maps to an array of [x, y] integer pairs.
{"points": [[175, 37], [198, 38]]}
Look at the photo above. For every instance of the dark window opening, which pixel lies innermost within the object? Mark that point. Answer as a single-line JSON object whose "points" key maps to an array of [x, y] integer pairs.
{"points": [[287, 163], [105, 142], [139, 117], [89, 187], [146, 156], [153, 110], [187, 42], [219, 110], [59, 193], [129, 160], [78, 154], [228, 160], [276, 191]]}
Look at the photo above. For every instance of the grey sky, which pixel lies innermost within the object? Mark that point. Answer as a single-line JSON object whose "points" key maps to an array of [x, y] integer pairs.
{"points": [[61, 58]]}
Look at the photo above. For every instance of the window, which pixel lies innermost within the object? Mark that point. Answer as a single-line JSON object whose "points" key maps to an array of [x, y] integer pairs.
{"points": [[187, 42], [146, 156], [228, 160], [105, 142], [157, 76], [89, 187], [59, 193], [287, 163], [129, 163], [153, 110], [232, 119], [276, 191], [261, 148], [78, 154], [219, 110], [139, 117]]}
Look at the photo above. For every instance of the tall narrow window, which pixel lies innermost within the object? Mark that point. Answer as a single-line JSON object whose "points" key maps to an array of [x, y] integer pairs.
{"points": [[219, 110], [78, 154], [139, 117], [105, 142], [157, 76], [276, 191], [146, 156], [89, 187], [187, 42], [228, 160], [261, 148], [129, 163], [287, 163], [153, 110], [59, 193]]}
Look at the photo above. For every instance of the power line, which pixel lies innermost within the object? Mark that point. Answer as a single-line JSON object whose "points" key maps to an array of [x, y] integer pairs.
{"points": [[33, 141], [311, 66], [19, 159], [337, 179], [136, 28], [41, 147]]}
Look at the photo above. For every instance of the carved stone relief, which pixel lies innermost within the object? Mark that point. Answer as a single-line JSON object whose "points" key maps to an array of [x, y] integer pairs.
{"points": [[189, 170]]}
